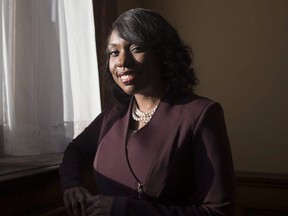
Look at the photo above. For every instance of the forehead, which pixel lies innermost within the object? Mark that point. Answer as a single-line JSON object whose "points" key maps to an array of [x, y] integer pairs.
{"points": [[115, 39]]}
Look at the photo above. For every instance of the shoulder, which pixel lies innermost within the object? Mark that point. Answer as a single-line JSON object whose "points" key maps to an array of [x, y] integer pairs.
{"points": [[191, 104], [112, 113], [115, 110], [198, 108], [197, 102]]}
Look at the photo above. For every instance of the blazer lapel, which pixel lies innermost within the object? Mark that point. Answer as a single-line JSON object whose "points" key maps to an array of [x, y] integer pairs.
{"points": [[150, 148], [110, 160]]}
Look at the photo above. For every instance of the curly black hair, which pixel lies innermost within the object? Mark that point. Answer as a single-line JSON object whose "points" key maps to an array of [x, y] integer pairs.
{"points": [[148, 28]]}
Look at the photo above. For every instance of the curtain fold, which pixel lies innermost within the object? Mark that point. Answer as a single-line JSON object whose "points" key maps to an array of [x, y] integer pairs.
{"points": [[49, 76]]}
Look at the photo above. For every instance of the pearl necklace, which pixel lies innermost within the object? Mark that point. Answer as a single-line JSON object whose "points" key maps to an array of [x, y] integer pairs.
{"points": [[140, 116]]}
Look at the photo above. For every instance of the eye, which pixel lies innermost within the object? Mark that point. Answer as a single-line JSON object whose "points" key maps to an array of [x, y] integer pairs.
{"points": [[136, 48], [113, 53]]}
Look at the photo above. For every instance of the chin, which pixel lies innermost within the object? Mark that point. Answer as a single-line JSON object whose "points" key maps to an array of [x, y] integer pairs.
{"points": [[129, 90]]}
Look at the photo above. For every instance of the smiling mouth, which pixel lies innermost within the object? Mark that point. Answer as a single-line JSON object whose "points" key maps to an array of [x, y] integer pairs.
{"points": [[126, 78]]}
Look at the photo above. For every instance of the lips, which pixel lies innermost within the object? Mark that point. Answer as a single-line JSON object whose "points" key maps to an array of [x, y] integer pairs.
{"points": [[126, 78]]}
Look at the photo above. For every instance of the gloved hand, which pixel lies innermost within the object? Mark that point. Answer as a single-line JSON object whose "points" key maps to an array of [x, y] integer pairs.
{"points": [[99, 205], [75, 199]]}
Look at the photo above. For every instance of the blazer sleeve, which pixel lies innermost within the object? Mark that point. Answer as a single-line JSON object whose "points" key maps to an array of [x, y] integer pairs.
{"points": [[213, 172], [79, 155]]}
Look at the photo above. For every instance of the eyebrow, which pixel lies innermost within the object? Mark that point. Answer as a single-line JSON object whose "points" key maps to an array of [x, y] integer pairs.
{"points": [[111, 45], [117, 45]]}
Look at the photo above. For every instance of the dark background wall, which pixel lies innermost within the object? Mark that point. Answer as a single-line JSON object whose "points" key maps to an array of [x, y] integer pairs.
{"points": [[241, 59]]}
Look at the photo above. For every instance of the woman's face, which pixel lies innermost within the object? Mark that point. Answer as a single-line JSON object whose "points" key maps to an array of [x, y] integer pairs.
{"points": [[134, 68]]}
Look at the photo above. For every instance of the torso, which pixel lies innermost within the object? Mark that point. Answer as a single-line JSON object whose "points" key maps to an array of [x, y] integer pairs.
{"points": [[150, 149]]}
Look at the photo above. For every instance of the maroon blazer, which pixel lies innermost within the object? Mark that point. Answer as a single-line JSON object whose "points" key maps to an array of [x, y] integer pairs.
{"points": [[182, 157]]}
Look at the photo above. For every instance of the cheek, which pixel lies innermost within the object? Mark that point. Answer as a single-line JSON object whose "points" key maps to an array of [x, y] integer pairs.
{"points": [[112, 70], [111, 67]]}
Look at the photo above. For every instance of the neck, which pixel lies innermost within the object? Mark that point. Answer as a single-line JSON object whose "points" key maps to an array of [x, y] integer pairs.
{"points": [[148, 102]]}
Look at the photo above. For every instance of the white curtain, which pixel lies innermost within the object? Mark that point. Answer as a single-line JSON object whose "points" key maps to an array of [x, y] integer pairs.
{"points": [[49, 74]]}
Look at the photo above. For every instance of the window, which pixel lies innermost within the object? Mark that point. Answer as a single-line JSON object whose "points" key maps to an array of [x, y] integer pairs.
{"points": [[49, 74]]}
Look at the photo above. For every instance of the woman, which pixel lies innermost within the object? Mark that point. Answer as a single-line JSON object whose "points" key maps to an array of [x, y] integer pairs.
{"points": [[158, 149]]}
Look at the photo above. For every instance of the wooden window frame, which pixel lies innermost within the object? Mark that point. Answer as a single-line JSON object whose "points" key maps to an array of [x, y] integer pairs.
{"points": [[105, 12]]}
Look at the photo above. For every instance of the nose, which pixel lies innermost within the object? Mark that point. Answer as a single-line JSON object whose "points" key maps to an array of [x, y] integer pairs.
{"points": [[124, 59]]}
